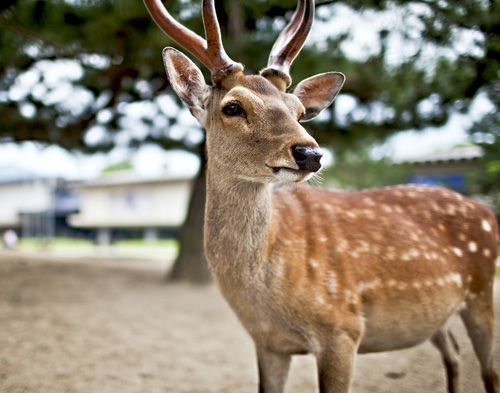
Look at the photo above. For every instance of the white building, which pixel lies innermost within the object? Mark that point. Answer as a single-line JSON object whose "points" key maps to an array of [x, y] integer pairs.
{"points": [[124, 201], [27, 202]]}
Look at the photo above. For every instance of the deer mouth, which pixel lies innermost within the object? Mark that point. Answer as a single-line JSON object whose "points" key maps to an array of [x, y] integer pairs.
{"points": [[277, 169], [287, 174]]}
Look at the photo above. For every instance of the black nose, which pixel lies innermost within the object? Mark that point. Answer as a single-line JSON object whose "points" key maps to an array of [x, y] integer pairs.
{"points": [[307, 158]]}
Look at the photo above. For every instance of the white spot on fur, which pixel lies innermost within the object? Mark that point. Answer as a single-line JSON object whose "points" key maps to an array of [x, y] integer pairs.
{"points": [[440, 282], [486, 226], [363, 246], [331, 283], [362, 286], [451, 209], [319, 299], [369, 201], [350, 297], [387, 208], [342, 245], [454, 278], [472, 296], [461, 237], [313, 263], [370, 214], [405, 257], [486, 252], [458, 252], [391, 253], [472, 246], [414, 253]]}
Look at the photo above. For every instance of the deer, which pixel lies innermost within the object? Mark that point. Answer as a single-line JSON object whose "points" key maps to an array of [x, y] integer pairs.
{"points": [[308, 270]]}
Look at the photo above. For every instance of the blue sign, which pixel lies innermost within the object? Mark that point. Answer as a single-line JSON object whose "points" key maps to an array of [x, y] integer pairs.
{"points": [[455, 181]]}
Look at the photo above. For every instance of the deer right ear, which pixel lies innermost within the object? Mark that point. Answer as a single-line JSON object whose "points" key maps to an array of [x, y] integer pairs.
{"points": [[318, 92], [187, 81]]}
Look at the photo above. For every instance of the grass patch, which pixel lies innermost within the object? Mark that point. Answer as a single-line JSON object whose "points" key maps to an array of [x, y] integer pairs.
{"points": [[146, 243], [131, 248]]}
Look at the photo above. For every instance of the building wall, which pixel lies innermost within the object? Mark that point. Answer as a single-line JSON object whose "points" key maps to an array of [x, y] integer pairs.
{"points": [[22, 197], [154, 204]]}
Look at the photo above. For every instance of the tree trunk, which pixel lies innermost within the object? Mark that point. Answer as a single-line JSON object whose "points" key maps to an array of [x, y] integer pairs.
{"points": [[191, 264]]}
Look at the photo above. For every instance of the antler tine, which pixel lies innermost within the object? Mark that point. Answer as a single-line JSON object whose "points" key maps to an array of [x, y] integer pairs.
{"points": [[289, 29], [211, 54], [291, 40], [180, 34], [220, 60]]}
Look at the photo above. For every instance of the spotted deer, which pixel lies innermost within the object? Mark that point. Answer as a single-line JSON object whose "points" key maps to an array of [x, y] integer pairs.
{"points": [[311, 270]]}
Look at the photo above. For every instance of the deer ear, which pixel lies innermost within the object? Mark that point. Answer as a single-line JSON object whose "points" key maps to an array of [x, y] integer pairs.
{"points": [[187, 81], [318, 92]]}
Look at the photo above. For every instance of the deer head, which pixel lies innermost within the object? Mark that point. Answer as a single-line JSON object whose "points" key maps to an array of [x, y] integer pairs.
{"points": [[252, 122]]}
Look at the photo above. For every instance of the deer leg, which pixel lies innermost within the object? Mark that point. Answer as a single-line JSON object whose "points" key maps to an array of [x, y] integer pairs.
{"points": [[336, 365], [273, 370], [450, 352], [478, 319]]}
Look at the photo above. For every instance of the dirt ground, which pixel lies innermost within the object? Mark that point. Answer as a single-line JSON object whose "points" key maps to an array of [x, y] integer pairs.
{"points": [[116, 326]]}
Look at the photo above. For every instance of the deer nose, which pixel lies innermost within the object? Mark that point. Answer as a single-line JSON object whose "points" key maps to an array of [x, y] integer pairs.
{"points": [[307, 158]]}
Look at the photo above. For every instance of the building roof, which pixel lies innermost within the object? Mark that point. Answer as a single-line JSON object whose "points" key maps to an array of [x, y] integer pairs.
{"points": [[132, 177], [465, 153]]}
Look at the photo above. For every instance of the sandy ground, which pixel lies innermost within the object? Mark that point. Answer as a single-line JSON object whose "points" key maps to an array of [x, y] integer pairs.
{"points": [[116, 326]]}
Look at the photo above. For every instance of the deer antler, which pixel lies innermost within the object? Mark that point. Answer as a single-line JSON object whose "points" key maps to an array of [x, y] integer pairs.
{"points": [[290, 41], [210, 51]]}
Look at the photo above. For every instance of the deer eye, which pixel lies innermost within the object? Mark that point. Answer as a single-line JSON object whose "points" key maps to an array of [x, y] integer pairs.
{"points": [[233, 109]]}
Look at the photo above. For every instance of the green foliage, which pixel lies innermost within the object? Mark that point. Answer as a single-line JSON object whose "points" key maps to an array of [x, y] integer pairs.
{"points": [[357, 170], [120, 166], [114, 48], [486, 132]]}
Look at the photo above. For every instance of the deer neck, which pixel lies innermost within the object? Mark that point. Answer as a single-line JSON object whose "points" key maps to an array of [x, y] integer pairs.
{"points": [[238, 218]]}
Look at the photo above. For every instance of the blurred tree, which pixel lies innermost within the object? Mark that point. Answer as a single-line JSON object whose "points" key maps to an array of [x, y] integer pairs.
{"points": [[485, 179], [358, 170], [87, 75]]}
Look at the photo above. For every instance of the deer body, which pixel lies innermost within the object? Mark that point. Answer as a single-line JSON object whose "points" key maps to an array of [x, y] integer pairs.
{"points": [[309, 270], [384, 267]]}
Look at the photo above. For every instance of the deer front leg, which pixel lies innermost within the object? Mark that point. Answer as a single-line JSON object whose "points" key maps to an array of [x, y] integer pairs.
{"points": [[273, 370], [336, 365]]}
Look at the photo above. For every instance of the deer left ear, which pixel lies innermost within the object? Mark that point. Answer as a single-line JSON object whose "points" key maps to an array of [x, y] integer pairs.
{"points": [[318, 92], [187, 81]]}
